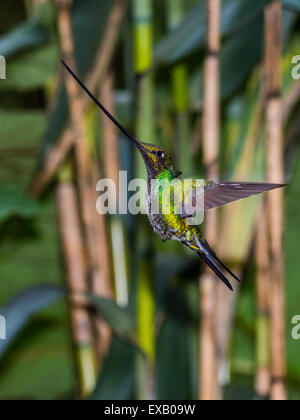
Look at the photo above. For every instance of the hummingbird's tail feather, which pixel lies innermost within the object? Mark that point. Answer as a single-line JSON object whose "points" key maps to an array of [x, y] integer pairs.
{"points": [[209, 256], [212, 252], [209, 260]]}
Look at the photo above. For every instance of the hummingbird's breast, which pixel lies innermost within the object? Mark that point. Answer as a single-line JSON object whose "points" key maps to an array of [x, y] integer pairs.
{"points": [[165, 222], [157, 221]]}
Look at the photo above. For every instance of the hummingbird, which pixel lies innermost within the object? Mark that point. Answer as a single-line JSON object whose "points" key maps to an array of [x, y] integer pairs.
{"points": [[173, 225]]}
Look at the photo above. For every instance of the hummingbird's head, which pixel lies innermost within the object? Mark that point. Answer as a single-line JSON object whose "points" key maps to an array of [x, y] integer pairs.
{"points": [[156, 159]]}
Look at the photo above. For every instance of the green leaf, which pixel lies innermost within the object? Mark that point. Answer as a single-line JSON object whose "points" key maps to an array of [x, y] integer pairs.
{"points": [[117, 378], [168, 267], [32, 69], [190, 35], [39, 363], [22, 308], [30, 34], [173, 373], [89, 20], [20, 133], [182, 40], [118, 318], [293, 4], [239, 55], [16, 204]]}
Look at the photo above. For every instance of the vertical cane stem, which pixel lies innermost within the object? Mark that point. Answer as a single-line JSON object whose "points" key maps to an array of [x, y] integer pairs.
{"points": [[75, 264], [211, 123], [111, 168], [142, 10], [179, 76], [275, 173], [94, 228], [263, 379]]}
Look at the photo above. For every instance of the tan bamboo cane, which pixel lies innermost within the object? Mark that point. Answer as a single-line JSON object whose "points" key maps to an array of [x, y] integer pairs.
{"points": [[263, 374], [145, 129], [111, 159], [211, 117], [75, 263], [275, 173], [86, 177], [179, 78], [74, 259], [59, 151], [234, 248], [111, 166]]}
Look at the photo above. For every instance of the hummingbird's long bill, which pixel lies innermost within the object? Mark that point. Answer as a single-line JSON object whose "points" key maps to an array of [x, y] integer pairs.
{"points": [[98, 103]]}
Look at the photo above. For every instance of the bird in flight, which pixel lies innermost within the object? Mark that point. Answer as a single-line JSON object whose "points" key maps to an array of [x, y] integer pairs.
{"points": [[171, 223]]}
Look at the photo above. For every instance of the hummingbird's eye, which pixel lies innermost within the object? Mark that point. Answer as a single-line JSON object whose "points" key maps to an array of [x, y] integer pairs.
{"points": [[160, 154]]}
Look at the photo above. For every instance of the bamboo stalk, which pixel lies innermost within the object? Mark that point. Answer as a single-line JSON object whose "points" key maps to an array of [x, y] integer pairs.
{"points": [[211, 123], [111, 159], [179, 76], [233, 247], [86, 179], [275, 172], [75, 263], [111, 170], [104, 287], [76, 271], [263, 374], [263, 286], [59, 151], [143, 32]]}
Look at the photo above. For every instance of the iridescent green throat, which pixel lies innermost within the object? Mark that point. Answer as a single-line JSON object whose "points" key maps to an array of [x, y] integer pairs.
{"points": [[161, 186]]}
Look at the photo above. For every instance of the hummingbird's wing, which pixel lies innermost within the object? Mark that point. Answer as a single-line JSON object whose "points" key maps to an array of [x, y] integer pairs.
{"points": [[217, 194]]}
